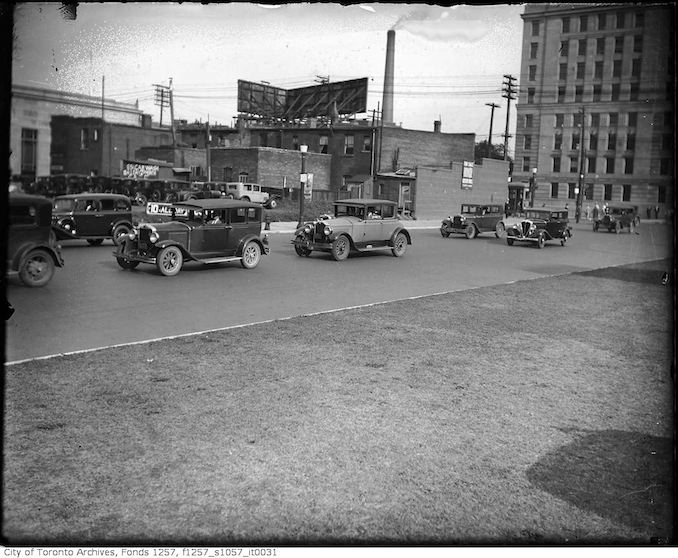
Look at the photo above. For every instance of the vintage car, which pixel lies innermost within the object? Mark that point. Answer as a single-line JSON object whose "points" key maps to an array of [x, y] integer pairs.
{"points": [[32, 249], [618, 217], [206, 231], [362, 225], [474, 219], [539, 226], [247, 191], [92, 217]]}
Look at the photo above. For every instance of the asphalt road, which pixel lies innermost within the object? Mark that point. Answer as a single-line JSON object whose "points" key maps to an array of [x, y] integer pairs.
{"points": [[92, 303]]}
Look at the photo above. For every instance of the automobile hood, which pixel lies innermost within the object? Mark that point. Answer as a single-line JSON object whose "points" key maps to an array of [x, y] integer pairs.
{"points": [[168, 226]]}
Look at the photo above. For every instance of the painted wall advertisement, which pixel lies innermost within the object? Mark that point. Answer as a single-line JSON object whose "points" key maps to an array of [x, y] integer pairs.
{"points": [[132, 169]]}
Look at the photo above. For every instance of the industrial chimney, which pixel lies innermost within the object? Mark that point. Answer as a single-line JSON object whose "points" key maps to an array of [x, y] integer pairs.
{"points": [[387, 110]]}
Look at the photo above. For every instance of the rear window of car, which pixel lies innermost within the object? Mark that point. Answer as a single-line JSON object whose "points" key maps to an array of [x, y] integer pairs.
{"points": [[22, 215]]}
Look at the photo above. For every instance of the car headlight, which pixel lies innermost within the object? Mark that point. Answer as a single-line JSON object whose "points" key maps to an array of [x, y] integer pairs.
{"points": [[133, 234], [153, 237], [328, 230], [307, 229]]}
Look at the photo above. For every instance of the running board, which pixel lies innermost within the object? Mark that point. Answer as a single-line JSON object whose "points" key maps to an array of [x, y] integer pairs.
{"points": [[220, 260]]}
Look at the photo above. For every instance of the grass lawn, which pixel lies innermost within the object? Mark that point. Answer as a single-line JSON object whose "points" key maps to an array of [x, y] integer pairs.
{"points": [[535, 412]]}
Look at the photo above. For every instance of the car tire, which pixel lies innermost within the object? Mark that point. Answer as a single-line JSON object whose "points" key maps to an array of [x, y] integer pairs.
{"points": [[341, 248], [509, 241], [169, 261], [301, 250], [126, 264], [245, 199], [500, 230], [541, 241], [272, 204], [399, 245], [444, 233], [95, 241], [251, 254], [471, 231], [140, 200], [37, 268], [118, 232]]}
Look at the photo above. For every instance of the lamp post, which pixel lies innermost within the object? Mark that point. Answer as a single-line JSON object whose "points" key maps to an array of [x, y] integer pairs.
{"points": [[533, 185], [302, 182]]}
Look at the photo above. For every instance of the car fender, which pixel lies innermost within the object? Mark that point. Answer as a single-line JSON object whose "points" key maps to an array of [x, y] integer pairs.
{"points": [[165, 243], [60, 231], [403, 230], [251, 237], [126, 222], [22, 252]]}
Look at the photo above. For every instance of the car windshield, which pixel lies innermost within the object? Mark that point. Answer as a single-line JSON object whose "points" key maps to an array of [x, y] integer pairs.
{"points": [[64, 205], [341, 210], [193, 215]]}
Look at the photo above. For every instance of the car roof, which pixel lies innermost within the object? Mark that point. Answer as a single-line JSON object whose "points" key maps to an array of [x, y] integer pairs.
{"points": [[90, 195], [365, 201], [20, 198], [215, 204]]}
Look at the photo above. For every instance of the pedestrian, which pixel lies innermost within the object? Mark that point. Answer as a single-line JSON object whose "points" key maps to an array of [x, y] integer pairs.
{"points": [[596, 212], [588, 211], [656, 212], [649, 212]]}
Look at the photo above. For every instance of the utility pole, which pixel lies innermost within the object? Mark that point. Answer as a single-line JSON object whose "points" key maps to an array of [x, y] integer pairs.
{"points": [[161, 97], [208, 161], [489, 138], [103, 78], [580, 193], [508, 92], [171, 104]]}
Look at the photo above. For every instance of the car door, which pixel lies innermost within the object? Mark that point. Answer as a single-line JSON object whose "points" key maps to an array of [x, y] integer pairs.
{"points": [[215, 233], [88, 217], [372, 225]]}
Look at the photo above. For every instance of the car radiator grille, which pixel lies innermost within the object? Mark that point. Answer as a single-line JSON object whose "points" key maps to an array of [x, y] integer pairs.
{"points": [[456, 222]]}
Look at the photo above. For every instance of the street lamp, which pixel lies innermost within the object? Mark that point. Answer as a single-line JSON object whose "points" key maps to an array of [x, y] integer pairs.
{"points": [[302, 182], [533, 185]]}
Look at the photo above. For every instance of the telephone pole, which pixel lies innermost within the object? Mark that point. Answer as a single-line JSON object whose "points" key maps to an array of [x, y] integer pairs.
{"points": [[509, 93], [580, 193], [162, 97], [171, 104], [489, 138]]}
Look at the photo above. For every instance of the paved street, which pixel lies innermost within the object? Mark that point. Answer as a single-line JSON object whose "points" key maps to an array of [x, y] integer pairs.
{"points": [[92, 303]]}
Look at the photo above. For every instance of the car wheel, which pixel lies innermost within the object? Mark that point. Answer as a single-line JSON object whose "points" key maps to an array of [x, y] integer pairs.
{"points": [[119, 231], [37, 269], [140, 199], [272, 204], [509, 241], [155, 196], [94, 241], [301, 250], [471, 231], [444, 233], [563, 240], [169, 261], [341, 248], [399, 245], [126, 264], [617, 227], [251, 255], [541, 241], [230, 196], [500, 229]]}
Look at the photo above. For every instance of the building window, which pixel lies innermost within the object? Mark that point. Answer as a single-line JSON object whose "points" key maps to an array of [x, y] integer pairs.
{"points": [[595, 119], [554, 190], [367, 143], [578, 93], [528, 120], [600, 45], [84, 139], [628, 165], [565, 24], [575, 140], [583, 23], [556, 164], [640, 19], [323, 144], [601, 22], [530, 95], [534, 49], [196, 171], [633, 119], [614, 92], [577, 118], [560, 120], [667, 142], [593, 141], [664, 165], [570, 191], [564, 48], [558, 141], [29, 150], [661, 194], [581, 69], [95, 135], [637, 44], [562, 73], [348, 145], [626, 192], [535, 28], [526, 164], [597, 91], [588, 191], [630, 141], [607, 192], [532, 73], [620, 20], [634, 92], [616, 68], [598, 70], [612, 141], [574, 164], [609, 165], [295, 143], [561, 94], [613, 118], [527, 142], [591, 167], [618, 45], [581, 51]]}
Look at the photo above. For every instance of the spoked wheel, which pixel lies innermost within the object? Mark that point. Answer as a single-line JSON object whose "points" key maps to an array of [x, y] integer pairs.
{"points": [[500, 229], [341, 248], [140, 199], [169, 261], [444, 233], [37, 269], [302, 250], [541, 241], [509, 241], [399, 245], [471, 231], [251, 255]]}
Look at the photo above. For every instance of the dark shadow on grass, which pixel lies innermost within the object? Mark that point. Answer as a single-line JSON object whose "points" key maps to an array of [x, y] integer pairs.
{"points": [[626, 477], [648, 272]]}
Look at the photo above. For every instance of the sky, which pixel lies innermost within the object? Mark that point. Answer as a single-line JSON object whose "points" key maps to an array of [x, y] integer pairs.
{"points": [[449, 61]]}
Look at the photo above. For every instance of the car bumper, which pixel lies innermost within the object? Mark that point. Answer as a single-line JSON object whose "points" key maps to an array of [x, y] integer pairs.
{"points": [[309, 244]]}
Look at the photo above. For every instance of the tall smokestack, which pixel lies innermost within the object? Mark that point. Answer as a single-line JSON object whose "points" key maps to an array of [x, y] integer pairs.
{"points": [[387, 110]]}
